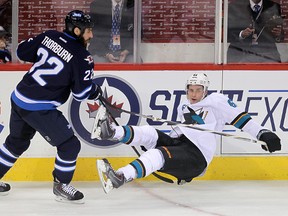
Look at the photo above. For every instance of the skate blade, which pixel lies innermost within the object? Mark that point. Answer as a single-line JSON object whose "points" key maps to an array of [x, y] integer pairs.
{"points": [[106, 183], [96, 130], [64, 200]]}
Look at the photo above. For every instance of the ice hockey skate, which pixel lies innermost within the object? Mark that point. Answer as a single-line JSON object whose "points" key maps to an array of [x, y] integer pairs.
{"points": [[102, 128], [4, 188], [108, 177], [67, 193]]}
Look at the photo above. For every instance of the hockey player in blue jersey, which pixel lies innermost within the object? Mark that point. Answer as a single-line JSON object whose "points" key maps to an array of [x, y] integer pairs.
{"points": [[185, 153], [61, 65]]}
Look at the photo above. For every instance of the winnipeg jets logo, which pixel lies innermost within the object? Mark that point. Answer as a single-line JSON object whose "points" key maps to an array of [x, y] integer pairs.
{"points": [[93, 107], [89, 59], [76, 14], [119, 94]]}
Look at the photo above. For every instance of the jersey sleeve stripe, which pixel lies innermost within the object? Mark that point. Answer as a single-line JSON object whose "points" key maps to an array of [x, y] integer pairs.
{"points": [[82, 95], [241, 120]]}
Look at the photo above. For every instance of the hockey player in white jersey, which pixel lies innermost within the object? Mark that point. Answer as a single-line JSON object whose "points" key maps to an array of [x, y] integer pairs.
{"points": [[185, 153]]}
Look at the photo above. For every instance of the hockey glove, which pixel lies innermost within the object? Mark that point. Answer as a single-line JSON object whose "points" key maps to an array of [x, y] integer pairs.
{"points": [[271, 139], [97, 92]]}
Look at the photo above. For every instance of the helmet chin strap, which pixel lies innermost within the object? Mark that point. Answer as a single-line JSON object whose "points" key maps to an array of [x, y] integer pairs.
{"points": [[204, 94]]}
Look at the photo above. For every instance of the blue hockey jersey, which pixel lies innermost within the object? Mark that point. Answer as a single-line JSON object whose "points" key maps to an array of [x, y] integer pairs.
{"points": [[61, 65], [5, 56]]}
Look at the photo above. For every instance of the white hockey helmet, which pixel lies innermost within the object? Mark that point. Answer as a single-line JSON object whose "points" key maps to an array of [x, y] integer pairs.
{"points": [[198, 79]]}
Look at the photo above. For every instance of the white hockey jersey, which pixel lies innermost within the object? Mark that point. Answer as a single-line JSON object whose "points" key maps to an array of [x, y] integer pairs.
{"points": [[212, 113]]}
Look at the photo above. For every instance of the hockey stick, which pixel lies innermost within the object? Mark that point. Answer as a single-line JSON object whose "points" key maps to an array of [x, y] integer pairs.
{"points": [[184, 125], [103, 101]]}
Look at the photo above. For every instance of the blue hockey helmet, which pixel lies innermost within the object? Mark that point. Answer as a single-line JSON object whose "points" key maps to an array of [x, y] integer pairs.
{"points": [[77, 18]]}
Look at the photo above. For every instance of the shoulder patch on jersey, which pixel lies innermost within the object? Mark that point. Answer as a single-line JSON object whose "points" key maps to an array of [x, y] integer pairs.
{"points": [[183, 107], [231, 103], [89, 59]]}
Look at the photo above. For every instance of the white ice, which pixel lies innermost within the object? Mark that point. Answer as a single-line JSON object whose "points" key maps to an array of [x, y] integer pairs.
{"points": [[143, 198]]}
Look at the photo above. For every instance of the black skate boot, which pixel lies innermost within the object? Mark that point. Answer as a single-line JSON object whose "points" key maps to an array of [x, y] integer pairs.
{"points": [[108, 177], [4, 188], [67, 193], [102, 128]]}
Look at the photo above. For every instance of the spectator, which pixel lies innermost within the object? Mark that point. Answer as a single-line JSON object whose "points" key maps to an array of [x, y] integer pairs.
{"points": [[113, 30], [5, 55], [254, 28]]}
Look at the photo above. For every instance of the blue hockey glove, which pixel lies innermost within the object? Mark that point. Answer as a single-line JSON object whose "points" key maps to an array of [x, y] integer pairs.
{"points": [[271, 139]]}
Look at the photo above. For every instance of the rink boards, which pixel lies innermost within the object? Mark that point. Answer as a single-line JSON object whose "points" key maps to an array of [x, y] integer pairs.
{"points": [[262, 93]]}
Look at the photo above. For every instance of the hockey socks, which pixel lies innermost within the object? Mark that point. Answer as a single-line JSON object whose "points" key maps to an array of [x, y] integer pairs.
{"points": [[145, 135], [147, 163], [7, 160]]}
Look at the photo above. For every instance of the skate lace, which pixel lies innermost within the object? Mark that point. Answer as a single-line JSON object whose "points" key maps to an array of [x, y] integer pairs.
{"points": [[69, 189], [2, 184]]}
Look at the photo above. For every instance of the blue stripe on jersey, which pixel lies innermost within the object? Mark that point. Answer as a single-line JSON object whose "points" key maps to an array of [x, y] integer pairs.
{"points": [[242, 120], [33, 105], [83, 95]]}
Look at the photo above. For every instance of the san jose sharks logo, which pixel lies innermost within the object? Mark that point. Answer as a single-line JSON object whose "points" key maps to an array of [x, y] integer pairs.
{"points": [[120, 94], [194, 117]]}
